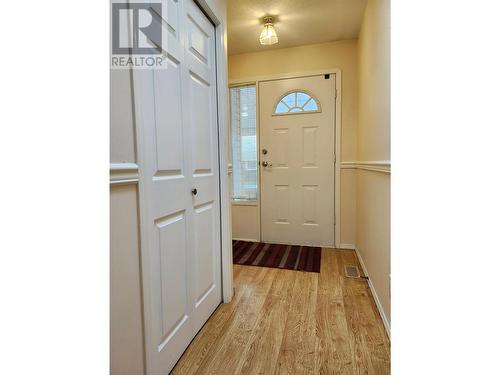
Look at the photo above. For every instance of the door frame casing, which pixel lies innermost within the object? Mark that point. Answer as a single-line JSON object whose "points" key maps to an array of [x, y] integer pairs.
{"points": [[142, 99], [337, 146]]}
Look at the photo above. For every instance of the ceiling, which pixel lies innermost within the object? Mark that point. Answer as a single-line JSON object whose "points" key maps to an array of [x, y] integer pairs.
{"points": [[297, 22]]}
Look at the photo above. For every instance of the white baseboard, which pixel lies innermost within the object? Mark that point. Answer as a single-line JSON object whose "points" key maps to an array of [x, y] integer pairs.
{"points": [[246, 239], [347, 246], [375, 295]]}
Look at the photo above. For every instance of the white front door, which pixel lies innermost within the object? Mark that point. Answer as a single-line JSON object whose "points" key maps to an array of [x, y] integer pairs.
{"points": [[179, 188], [297, 160]]}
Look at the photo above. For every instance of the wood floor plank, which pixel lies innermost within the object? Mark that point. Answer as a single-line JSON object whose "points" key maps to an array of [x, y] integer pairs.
{"points": [[371, 347], [361, 290], [299, 346], [226, 358], [209, 336], [262, 351], [236, 271], [335, 354], [291, 322]]}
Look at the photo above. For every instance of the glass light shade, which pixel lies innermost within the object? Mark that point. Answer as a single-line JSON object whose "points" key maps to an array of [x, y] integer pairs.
{"points": [[268, 35]]}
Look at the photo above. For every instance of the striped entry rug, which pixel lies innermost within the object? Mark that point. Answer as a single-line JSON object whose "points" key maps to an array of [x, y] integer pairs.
{"points": [[290, 257]]}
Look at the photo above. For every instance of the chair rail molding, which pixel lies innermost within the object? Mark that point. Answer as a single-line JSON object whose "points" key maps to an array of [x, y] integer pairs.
{"points": [[382, 166], [123, 173]]}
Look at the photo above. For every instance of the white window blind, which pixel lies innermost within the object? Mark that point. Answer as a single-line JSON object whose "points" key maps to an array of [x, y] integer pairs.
{"points": [[244, 142]]}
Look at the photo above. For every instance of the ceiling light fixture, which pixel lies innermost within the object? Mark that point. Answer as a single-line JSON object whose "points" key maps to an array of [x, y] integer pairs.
{"points": [[268, 35]]}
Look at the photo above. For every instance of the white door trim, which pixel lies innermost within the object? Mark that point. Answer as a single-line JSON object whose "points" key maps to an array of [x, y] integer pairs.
{"points": [[338, 125]]}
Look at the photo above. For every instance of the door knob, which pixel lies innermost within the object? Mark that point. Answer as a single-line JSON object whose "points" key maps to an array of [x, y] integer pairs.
{"points": [[265, 164], [194, 191]]}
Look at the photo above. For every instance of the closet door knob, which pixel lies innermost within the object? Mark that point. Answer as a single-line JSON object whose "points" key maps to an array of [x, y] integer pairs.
{"points": [[194, 191]]}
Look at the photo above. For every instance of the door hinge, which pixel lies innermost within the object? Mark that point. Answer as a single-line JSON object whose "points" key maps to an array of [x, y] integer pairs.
{"points": [[335, 93], [334, 220], [334, 158]]}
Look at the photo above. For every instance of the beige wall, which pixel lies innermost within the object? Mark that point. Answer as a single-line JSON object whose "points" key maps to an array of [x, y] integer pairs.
{"points": [[122, 136], [342, 55], [125, 292], [373, 188], [126, 332], [348, 205], [245, 222], [374, 83]]}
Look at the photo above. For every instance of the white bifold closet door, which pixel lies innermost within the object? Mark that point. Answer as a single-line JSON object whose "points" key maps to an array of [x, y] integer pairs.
{"points": [[179, 187]]}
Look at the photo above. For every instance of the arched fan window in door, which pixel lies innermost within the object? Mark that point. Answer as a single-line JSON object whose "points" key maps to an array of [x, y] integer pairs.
{"points": [[295, 102]]}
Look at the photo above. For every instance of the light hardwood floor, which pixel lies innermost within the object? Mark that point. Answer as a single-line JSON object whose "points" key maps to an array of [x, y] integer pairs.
{"points": [[292, 322]]}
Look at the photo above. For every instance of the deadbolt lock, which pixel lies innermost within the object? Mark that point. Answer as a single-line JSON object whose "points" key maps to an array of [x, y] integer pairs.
{"points": [[264, 151]]}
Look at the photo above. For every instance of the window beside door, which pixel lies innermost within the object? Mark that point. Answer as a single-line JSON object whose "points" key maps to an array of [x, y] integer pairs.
{"points": [[244, 142]]}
